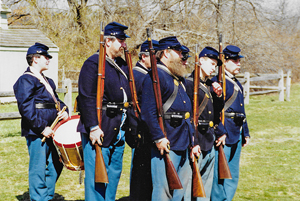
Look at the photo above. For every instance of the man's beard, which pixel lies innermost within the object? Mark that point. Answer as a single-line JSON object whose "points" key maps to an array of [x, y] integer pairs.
{"points": [[177, 68]]}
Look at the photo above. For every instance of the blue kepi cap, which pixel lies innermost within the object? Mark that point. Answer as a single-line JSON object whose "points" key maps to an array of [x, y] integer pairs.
{"points": [[116, 29], [39, 48], [145, 46], [170, 42], [232, 52], [211, 53]]}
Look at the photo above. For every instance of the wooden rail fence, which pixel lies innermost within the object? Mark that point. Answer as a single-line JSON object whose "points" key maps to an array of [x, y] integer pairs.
{"points": [[247, 80]]}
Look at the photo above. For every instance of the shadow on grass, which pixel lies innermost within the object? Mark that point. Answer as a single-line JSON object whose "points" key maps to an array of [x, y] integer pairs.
{"points": [[57, 197]]}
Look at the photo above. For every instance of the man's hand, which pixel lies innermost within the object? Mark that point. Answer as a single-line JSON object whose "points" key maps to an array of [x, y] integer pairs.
{"points": [[95, 136], [221, 140], [217, 88], [247, 141], [63, 115], [163, 146], [48, 132], [196, 151]]}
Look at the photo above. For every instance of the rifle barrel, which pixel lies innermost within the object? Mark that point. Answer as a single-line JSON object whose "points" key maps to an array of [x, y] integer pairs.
{"points": [[100, 169], [224, 171]]}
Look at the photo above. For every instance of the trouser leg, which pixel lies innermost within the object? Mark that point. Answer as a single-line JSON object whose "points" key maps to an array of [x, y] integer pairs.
{"points": [[44, 168]]}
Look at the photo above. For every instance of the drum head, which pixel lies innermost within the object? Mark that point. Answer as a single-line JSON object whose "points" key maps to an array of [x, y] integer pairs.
{"points": [[66, 131]]}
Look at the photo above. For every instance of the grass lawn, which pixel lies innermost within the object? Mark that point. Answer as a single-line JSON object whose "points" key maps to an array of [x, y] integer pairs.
{"points": [[270, 165]]}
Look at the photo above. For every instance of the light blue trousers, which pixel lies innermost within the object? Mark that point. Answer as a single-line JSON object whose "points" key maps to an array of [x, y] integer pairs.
{"points": [[113, 158], [160, 184], [44, 168], [224, 189]]}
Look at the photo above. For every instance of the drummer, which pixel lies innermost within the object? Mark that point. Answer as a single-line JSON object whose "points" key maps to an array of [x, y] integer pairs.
{"points": [[39, 106]]}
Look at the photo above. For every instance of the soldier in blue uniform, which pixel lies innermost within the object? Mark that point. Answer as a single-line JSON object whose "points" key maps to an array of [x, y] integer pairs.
{"points": [[209, 125], [140, 180], [115, 116], [177, 109], [235, 125], [38, 105]]}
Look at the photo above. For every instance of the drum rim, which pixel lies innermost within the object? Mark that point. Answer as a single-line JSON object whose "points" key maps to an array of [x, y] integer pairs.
{"points": [[61, 123]]}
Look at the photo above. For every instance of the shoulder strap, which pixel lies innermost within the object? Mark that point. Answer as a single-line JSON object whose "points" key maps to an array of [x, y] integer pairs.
{"points": [[45, 83], [205, 99], [141, 70], [172, 98], [236, 90], [113, 63]]}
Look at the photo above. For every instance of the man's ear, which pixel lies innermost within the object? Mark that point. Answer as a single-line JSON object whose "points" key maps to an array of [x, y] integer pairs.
{"points": [[34, 59], [108, 42], [166, 54], [201, 60], [143, 58]]}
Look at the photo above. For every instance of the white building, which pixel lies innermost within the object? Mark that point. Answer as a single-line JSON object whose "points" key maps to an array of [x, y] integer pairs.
{"points": [[14, 44]]}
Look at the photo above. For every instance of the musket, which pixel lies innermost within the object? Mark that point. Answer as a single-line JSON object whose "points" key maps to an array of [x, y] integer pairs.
{"points": [[135, 103], [197, 184], [100, 169], [172, 176], [224, 171]]}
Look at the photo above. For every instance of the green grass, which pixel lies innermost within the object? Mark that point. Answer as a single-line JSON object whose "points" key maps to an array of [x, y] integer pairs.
{"points": [[269, 170]]}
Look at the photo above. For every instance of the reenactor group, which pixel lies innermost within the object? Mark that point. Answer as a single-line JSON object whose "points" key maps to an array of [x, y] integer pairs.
{"points": [[159, 133]]}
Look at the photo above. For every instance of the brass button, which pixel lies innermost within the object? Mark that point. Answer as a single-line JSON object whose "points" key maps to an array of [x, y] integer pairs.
{"points": [[207, 95], [187, 115], [209, 112], [121, 88], [115, 129], [184, 102], [126, 104], [241, 104], [176, 82], [211, 124], [139, 136]]}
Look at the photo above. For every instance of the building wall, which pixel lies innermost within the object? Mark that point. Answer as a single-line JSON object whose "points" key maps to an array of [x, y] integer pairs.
{"points": [[13, 64]]}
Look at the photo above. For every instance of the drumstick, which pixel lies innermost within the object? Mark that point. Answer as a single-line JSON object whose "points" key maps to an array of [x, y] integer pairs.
{"points": [[55, 122]]}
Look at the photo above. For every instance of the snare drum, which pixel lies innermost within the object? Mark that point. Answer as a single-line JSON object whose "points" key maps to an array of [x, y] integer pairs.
{"points": [[68, 143]]}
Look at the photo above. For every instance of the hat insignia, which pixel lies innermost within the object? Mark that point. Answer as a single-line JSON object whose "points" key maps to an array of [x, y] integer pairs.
{"points": [[38, 51]]}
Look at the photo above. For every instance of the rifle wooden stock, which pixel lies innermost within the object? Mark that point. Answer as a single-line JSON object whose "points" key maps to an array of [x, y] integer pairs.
{"points": [[224, 171], [172, 176], [198, 188], [135, 102], [100, 169]]}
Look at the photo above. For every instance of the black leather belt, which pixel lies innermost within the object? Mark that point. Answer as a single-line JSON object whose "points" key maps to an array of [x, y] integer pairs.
{"points": [[238, 118], [45, 106], [181, 115], [113, 105], [234, 115], [176, 117], [205, 123]]}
